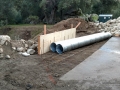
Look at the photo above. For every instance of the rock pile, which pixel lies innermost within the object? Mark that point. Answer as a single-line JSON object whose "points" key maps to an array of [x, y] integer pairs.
{"points": [[9, 47], [25, 48], [4, 46], [112, 26]]}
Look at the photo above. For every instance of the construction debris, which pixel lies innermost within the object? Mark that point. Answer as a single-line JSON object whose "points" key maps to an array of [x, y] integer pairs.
{"points": [[112, 26]]}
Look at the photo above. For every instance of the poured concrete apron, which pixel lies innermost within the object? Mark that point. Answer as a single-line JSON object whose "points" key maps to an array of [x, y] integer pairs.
{"points": [[100, 71]]}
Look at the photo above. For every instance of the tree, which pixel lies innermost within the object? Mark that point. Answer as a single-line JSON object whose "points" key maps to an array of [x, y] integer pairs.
{"points": [[105, 6], [49, 9], [81, 6], [17, 11], [5, 10]]}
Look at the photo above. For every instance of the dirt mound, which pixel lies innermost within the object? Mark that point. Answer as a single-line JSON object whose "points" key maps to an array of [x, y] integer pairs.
{"points": [[66, 24], [84, 28]]}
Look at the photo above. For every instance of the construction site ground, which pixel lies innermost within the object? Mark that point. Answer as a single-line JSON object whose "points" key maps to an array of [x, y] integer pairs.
{"points": [[100, 71], [42, 72]]}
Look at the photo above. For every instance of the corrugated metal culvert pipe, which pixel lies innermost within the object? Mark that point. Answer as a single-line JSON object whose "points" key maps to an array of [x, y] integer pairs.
{"points": [[70, 44], [53, 46]]}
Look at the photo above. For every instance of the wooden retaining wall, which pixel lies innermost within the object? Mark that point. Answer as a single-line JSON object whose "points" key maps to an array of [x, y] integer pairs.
{"points": [[44, 41]]}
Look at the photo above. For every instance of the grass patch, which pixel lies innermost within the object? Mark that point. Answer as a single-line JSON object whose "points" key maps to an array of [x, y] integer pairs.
{"points": [[16, 30]]}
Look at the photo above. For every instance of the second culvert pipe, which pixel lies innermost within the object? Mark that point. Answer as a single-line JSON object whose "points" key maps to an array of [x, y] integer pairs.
{"points": [[70, 44]]}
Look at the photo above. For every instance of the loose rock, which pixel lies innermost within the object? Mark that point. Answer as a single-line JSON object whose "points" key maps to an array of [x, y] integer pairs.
{"points": [[4, 38], [7, 57], [33, 46], [25, 54], [1, 56], [1, 50], [112, 26], [20, 49], [30, 51]]}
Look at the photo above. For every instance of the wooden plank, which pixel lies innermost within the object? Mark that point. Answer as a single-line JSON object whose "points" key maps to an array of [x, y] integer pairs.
{"points": [[117, 34], [44, 29], [46, 43], [45, 40], [78, 25], [57, 36], [39, 45], [43, 46], [62, 35], [71, 25]]}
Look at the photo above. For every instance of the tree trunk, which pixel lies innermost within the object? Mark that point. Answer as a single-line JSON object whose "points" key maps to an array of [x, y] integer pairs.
{"points": [[46, 20], [51, 18]]}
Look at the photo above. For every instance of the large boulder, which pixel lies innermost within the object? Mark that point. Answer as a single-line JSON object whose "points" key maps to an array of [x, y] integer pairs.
{"points": [[4, 38]]}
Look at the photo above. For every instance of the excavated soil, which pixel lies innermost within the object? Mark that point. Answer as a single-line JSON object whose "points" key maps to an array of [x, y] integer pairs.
{"points": [[66, 24], [84, 28], [42, 72]]}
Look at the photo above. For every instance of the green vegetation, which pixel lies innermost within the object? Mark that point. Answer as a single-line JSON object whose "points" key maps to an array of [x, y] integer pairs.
{"points": [[32, 19], [14, 31], [94, 17], [52, 11]]}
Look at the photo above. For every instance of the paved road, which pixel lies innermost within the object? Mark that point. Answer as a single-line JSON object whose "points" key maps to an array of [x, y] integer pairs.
{"points": [[100, 71]]}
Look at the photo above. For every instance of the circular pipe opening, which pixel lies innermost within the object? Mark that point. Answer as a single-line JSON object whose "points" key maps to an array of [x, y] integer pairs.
{"points": [[53, 47], [59, 49]]}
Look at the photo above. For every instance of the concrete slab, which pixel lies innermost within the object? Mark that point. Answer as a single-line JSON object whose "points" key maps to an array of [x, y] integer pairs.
{"points": [[100, 71], [113, 45]]}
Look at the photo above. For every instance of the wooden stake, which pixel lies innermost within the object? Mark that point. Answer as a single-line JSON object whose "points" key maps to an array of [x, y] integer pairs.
{"points": [[44, 29], [54, 39], [78, 25], [43, 46], [71, 25], [39, 49]]}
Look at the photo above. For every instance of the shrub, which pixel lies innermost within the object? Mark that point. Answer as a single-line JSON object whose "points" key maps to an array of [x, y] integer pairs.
{"points": [[32, 20], [94, 17], [18, 18], [3, 22]]}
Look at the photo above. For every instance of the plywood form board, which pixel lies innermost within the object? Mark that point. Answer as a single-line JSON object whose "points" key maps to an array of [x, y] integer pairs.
{"points": [[46, 40], [57, 36]]}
